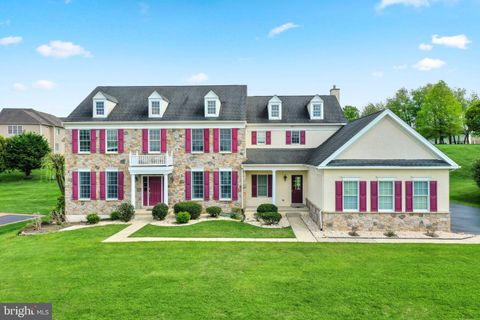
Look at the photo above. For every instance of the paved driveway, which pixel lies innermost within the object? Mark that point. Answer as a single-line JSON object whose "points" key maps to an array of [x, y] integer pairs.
{"points": [[12, 218], [465, 219]]}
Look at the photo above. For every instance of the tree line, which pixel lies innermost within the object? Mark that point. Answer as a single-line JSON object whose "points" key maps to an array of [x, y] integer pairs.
{"points": [[436, 111]]}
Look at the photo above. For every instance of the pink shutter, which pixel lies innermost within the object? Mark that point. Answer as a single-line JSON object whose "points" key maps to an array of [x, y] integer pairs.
{"points": [[188, 140], [102, 185], [363, 196], [433, 196], [254, 185], [188, 185], [74, 185], [206, 140], [254, 137], [120, 185], [121, 141], [269, 185], [215, 140], [216, 185], [102, 140], [373, 196], [235, 140], [302, 137], [206, 185], [269, 137], [163, 146], [75, 140], [234, 185], [145, 140], [93, 140], [338, 196], [408, 196], [93, 185], [398, 196], [288, 137]]}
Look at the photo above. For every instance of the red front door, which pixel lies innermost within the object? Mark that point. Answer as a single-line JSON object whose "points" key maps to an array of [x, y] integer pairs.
{"points": [[297, 189], [153, 190]]}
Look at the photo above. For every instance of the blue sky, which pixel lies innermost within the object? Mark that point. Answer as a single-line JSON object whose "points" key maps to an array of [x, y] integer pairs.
{"points": [[54, 52]]}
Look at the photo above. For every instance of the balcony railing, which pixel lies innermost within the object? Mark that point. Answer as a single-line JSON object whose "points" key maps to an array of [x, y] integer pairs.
{"points": [[152, 160]]}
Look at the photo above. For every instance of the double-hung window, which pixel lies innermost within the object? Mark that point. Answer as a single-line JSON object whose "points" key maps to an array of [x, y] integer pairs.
{"points": [[197, 185], [225, 140], [84, 185], [386, 195], [154, 140], [317, 110], [155, 107], [14, 130], [84, 140], [100, 108], [211, 107], [197, 140], [350, 195], [112, 185], [112, 140], [262, 185], [420, 195], [226, 185], [261, 137], [275, 111], [295, 137]]}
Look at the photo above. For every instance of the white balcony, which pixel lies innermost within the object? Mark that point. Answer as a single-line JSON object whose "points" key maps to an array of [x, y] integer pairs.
{"points": [[150, 163]]}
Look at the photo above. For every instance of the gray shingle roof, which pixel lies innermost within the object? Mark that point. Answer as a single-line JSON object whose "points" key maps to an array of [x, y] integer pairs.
{"points": [[277, 156], [388, 163], [28, 116], [186, 103], [294, 110]]}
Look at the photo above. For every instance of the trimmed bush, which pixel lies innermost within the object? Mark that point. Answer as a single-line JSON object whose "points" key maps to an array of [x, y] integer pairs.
{"points": [[267, 207], [115, 215], [269, 217], [194, 208], [126, 211], [160, 211], [93, 218], [214, 211], [183, 217]]}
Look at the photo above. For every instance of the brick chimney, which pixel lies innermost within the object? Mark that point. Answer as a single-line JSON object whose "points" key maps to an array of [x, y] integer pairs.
{"points": [[335, 92]]}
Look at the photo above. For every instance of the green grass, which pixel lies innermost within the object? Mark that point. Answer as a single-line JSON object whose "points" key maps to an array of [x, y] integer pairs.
{"points": [[463, 188], [18, 195], [215, 229], [86, 279]]}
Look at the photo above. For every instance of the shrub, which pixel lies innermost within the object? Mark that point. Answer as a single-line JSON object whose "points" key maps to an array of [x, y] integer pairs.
{"points": [[160, 211], [115, 215], [214, 211], [126, 211], [269, 217], [93, 218], [476, 172], [267, 207], [194, 208], [183, 217], [235, 216]]}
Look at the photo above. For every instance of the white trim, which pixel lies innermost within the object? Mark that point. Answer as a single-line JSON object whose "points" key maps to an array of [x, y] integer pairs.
{"points": [[89, 186], [269, 167], [428, 194], [275, 101], [265, 135], [220, 141], [383, 167], [106, 184], [320, 125], [212, 96], [106, 142], [316, 100], [264, 174], [350, 179], [160, 146], [89, 141], [192, 170], [392, 180], [95, 114], [203, 140], [220, 183], [299, 137], [156, 125]]}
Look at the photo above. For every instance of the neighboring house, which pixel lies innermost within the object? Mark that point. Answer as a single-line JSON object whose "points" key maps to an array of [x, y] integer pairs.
{"points": [[14, 121], [215, 145]]}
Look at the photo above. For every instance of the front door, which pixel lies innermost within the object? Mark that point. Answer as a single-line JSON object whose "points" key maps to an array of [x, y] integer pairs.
{"points": [[297, 189], [154, 192]]}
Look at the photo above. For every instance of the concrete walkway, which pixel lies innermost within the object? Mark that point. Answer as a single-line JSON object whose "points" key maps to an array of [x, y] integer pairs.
{"points": [[302, 232]]}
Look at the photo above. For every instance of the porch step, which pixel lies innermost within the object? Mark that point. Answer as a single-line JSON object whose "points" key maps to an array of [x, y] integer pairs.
{"points": [[283, 210]]}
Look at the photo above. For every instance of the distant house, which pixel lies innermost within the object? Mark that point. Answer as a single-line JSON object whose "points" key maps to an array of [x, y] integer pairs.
{"points": [[14, 121]]}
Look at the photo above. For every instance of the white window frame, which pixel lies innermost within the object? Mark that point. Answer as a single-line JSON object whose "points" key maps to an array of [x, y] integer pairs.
{"points": [[393, 194], [107, 171], [160, 141], [357, 180], [220, 184], [274, 101], [320, 107], [262, 134], [275, 108], [299, 137], [80, 184], [95, 114], [266, 193], [97, 102], [15, 132], [152, 101], [208, 107], [203, 140], [427, 181], [89, 141], [203, 184], [220, 140], [106, 141]]}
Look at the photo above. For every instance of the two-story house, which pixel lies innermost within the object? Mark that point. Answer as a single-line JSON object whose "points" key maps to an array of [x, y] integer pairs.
{"points": [[218, 146]]}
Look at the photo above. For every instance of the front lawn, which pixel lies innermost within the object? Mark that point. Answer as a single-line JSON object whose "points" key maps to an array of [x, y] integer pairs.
{"points": [[215, 229], [86, 279], [18, 195]]}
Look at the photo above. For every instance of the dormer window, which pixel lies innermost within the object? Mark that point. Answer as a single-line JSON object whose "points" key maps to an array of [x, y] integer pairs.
{"points": [[103, 104], [275, 109], [212, 105], [157, 105], [100, 108], [315, 108]]}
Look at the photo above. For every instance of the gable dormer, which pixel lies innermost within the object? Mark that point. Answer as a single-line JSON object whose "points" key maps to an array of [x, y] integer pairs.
{"points": [[315, 108], [212, 105], [157, 105], [275, 108], [103, 104]]}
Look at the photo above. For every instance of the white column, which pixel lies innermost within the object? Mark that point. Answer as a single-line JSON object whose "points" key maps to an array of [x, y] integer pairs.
{"points": [[274, 186], [165, 189], [132, 190]]}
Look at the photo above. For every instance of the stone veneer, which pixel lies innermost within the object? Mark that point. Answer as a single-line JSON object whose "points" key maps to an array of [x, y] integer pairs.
{"points": [[182, 161]]}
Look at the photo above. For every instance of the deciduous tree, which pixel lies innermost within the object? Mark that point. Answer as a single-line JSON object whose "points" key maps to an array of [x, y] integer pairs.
{"points": [[26, 151], [351, 113]]}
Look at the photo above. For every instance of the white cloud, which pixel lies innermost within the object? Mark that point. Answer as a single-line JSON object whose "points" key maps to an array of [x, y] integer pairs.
{"points": [[10, 40], [44, 84], [62, 49], [400, 67], [412, 3], [19, 87], [425, 47], [377, 74], [459, 41], [197, 78], [428, 64], [284, 27]]}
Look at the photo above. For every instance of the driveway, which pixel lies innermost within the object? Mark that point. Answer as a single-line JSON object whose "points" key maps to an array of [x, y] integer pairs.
{"points": [[465, 219], [13, 218]]}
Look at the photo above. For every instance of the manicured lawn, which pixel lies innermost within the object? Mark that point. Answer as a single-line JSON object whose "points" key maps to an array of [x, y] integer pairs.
{"points": [[86, 279], [215, 229], [18, 195], [463, 188]]}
